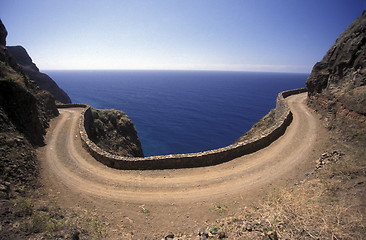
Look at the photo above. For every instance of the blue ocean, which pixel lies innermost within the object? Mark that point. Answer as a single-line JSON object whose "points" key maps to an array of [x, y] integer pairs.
{"points": [[181, 111]]}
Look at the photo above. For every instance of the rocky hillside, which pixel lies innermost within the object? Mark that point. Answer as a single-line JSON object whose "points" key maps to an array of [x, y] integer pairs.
{"points": [[113, 131], [337, 84], [25, 111], [30, 69]]}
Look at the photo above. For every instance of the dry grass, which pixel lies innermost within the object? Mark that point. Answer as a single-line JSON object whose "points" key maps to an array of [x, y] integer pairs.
{"points": [[330, 204], [310, 212], [263, 124], [28, 218], [7, 73]]}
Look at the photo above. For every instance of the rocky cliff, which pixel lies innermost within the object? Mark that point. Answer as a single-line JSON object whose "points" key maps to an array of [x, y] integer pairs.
{"points": [[3, 34], [337, 84], [114, 132], [25, 111], [30, 69]]}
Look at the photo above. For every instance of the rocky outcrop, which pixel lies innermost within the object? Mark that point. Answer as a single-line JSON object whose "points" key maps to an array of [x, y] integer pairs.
{"points": [[114, 132], [3, 34], [30, 69], [26, 108], [337, 84], [25, 111]]}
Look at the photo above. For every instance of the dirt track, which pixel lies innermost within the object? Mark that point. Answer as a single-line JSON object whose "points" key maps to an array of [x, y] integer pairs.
{"points": [[77, 180]]}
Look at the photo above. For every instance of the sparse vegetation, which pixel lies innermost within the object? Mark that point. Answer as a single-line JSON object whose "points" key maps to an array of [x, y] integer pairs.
{"points": [[219, 208], [94, 227], [25, 217], [114, 132], [214, 230], [22, 207], [144, 210], [263, 124], [329, 204]]}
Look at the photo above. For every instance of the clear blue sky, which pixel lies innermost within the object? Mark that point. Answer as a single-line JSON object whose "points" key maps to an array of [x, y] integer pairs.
{"points": [[249, 35]]}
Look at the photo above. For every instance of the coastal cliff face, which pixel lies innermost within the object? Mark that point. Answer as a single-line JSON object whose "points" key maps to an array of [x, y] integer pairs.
{"points": [[25, 111], [30, 69], [3, 34], [114, 132], [337, 84]]}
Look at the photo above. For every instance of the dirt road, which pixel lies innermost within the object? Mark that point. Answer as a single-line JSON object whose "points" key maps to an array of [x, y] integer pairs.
{"points": [[179, 198]]}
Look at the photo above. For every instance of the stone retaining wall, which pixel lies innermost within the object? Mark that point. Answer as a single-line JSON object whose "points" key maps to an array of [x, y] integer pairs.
{"points": [[189, 160], [281, 105], [72, 105]]}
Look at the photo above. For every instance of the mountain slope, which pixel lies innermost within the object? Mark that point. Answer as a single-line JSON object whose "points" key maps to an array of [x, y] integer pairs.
{"points": [[337, 84], [43, 80], [25, 111]]}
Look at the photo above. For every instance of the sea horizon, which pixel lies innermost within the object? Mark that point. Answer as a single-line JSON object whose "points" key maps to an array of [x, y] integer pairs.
{"points": [[178, 70]]}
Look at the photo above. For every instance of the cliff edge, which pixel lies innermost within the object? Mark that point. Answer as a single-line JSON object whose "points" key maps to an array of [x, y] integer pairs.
{"points": [[25, 111], [337, 84], [43, 80], [26, 108], [114, 132]]}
